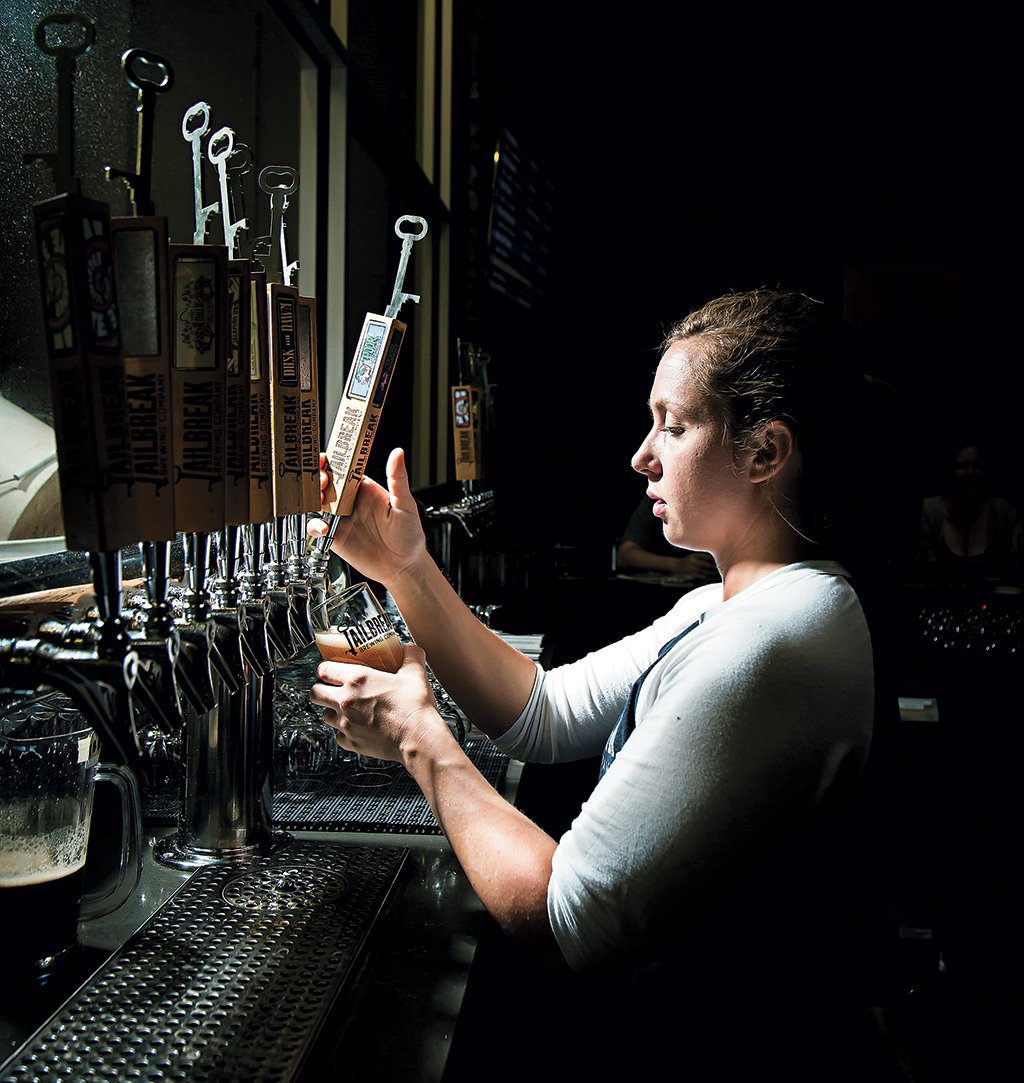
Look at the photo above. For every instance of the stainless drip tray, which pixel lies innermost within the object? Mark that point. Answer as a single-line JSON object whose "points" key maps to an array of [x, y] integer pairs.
{"points": [[230, 980], [349, 798], [344, 797]]}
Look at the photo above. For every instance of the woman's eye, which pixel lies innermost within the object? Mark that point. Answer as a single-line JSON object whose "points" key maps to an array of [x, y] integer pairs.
{"points": [[673, 430]]}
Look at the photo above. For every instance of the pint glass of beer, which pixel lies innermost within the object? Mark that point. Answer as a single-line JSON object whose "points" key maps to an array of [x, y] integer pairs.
{"points": [[352, 626]]}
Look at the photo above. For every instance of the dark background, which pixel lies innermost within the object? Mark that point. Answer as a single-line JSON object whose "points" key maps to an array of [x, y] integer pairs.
{"points": [[866, 161]]}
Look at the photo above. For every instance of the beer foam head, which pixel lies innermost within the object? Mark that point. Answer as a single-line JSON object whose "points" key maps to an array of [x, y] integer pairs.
{"points": [[27, 859]]}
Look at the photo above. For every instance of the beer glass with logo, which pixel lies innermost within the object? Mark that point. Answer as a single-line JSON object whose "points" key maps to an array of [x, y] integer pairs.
{"points": [[49, 766], [352, 626]]}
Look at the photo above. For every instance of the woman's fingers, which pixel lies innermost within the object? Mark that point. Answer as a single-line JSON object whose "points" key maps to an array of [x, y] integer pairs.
{"points": [[398, 481]]}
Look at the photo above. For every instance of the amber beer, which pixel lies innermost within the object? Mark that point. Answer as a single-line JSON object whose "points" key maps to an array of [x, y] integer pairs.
{"points": [[343, 646], [352, 627]]}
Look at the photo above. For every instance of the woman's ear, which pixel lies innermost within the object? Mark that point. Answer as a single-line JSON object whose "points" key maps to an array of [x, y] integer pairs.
{"points": [[775, 450]]}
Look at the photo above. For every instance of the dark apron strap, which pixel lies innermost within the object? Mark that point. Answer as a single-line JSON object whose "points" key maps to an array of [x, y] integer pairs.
{"points": [[627, 720]]}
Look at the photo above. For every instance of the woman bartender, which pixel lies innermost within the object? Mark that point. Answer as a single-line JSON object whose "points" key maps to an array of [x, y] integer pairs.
{"points": [[689, 899]]}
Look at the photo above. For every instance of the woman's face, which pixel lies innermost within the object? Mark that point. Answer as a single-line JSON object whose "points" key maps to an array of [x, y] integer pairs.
{"points": [[969, 470], [695, 479]]}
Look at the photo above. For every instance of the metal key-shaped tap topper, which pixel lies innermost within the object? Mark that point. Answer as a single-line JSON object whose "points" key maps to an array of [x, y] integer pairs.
{"points": [[271, 251], [409, 238], [150, 75], [62, 161], [219, 150], [194, 125]]}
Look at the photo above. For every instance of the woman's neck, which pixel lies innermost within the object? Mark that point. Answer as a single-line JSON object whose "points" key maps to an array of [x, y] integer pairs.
{"points": [[747, 570]]}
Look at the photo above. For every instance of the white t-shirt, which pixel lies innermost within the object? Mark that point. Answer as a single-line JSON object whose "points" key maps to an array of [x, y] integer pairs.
{"points": [[740, 730]]}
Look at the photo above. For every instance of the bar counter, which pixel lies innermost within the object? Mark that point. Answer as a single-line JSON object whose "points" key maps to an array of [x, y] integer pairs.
{"points": [[391, 1015]]}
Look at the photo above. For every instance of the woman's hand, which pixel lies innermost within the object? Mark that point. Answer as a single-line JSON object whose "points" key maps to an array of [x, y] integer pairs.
{"points": [[383, 536], [374, 711]]}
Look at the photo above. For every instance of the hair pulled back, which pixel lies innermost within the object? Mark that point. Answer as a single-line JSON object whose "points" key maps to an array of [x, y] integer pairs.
{"points": [[780, 355]]}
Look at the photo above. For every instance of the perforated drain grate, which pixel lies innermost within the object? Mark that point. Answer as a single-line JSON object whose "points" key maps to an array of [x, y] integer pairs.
{"points": [[229, 982], [345, 797]]}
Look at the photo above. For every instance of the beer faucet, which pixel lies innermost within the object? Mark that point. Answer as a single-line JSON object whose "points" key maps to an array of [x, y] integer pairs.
{"points": [[108, 636], [279, 594], [296, 585], [156, 638], [229, 591], [272, 607], [99, 687], [196, 611], [225, 814]]}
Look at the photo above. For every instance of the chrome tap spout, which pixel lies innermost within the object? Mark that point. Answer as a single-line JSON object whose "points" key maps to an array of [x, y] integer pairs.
{"points": [[254, 615], [226, 650], [279, 624], [298, 607], [298, 615], [194, 670], [157, 685]]}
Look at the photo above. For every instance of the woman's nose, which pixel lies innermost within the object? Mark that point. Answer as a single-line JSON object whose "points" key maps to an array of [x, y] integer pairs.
{"points": [[643, 460]]}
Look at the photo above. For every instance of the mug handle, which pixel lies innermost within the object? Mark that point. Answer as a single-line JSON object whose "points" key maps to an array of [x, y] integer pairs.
{"points": [[97, 904]]}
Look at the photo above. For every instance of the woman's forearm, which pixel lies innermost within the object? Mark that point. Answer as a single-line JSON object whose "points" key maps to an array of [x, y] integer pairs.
{"points": [[489, 680], [506, 857]]}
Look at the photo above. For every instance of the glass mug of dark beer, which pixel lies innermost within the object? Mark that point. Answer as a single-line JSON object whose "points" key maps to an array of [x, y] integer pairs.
{"points": [[49, 766], [352, 626]]}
